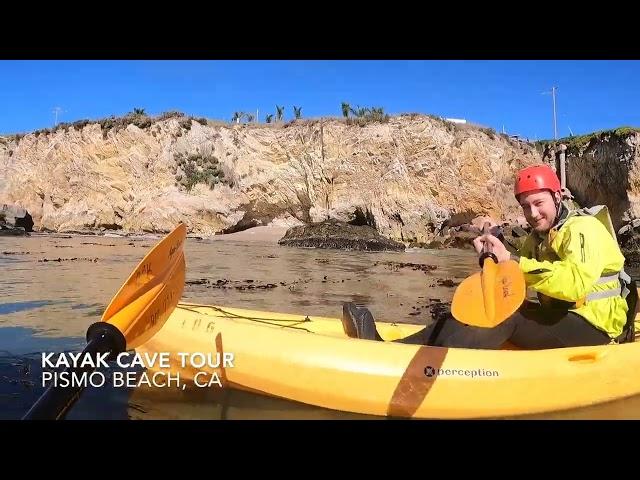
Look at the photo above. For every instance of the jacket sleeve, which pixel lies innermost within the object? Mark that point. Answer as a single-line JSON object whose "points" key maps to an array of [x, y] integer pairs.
{"points": [[571, 277]]}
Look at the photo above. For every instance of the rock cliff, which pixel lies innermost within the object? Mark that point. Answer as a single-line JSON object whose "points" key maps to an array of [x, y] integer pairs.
{"points": [[604, 168], [406, 176], [409, 177]]}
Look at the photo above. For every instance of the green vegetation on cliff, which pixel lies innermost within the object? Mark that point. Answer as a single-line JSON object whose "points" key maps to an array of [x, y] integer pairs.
{"points": [[197, 168], [579, 142], [137, 117]]}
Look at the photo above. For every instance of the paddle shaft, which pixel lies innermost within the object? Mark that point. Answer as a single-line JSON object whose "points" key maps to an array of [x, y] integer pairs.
{"points": [[56, 401], [487, 251], [134, 315], [487, 298]]}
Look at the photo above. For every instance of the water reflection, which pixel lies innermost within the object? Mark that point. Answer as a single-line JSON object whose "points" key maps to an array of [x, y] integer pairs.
{"points": [[6, 308]]}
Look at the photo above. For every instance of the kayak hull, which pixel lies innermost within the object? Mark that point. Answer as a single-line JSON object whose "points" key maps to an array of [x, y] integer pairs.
{"points": [[311, 360]]}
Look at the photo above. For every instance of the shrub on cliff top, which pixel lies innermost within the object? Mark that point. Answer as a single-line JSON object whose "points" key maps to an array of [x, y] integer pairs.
{"points": [[137, 117], [365, 116]]}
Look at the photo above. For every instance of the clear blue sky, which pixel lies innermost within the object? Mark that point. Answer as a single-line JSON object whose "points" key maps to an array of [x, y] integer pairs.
{"points": [[592, 95]]}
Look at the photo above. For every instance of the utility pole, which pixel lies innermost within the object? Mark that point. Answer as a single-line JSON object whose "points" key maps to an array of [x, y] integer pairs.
{"points": [[554, 89], [56, 111], [555, 124]]}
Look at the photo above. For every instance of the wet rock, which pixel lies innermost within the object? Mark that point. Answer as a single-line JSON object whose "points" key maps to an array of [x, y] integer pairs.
{"points": [[629, 240], [12, 232], [418, 245], [14, 216], [462, 240], [454, 239], [462, 237], [447, 282], [334, 234], [437, 243], [513, 235]]}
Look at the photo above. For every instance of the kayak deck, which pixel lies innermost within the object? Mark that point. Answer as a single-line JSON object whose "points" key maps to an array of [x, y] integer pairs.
{"points": [[311, 360]]}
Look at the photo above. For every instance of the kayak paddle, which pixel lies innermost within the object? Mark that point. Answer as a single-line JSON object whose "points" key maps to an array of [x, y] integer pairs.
{"points": [[135, 314], [487, 298]]}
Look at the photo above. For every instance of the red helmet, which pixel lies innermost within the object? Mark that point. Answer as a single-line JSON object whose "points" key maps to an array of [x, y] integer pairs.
{"points": [[538, 177]]}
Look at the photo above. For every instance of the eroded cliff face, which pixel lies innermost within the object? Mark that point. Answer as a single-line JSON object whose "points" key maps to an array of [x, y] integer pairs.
{"points": [[407, 177], [605, 169]]}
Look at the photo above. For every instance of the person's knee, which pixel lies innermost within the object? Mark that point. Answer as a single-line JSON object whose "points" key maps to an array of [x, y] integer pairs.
{"points": [[358, 322]]}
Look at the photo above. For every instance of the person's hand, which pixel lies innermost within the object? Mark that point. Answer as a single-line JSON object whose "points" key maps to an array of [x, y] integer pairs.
{"points": [[496, 246]]}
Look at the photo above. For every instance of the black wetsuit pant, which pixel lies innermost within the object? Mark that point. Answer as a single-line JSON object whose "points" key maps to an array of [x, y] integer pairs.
{"points": [[530, 328]]}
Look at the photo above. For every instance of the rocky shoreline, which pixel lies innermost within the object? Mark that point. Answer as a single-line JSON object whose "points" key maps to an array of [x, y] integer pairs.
{"points": [[332, 234], [342, 236]]}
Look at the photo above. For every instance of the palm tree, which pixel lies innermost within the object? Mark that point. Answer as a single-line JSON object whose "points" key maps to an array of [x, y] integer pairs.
{"points": [[280, 112], [269, 117], [138, 111], [237, 116], [346, 108], [297, 111]]}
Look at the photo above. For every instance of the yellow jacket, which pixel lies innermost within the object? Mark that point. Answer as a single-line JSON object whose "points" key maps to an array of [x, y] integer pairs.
{"points": [[568, 264]]}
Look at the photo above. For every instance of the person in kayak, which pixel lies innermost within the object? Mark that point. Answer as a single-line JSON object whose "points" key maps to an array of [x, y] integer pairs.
{"points": [[573, 270]]}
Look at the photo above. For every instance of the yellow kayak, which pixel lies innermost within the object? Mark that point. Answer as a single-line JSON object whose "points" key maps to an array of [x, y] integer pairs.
{"points": [[312, 360]]}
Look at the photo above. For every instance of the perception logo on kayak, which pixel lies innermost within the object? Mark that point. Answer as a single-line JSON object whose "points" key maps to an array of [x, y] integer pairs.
{"points": [[430, 371]]}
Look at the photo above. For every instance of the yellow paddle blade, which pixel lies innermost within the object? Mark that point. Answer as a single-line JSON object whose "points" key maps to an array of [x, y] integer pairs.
{"points": [[151, 292], [487, 298]]}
